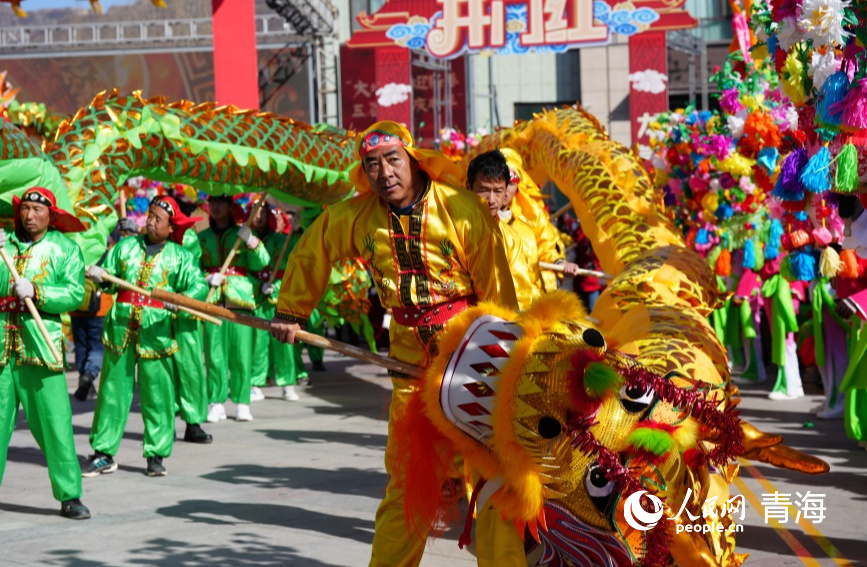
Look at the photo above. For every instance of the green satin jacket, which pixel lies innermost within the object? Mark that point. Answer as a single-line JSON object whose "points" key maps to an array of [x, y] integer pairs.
{"points": [[274, 244], [55, 266], [239, 290], [150, 329]]}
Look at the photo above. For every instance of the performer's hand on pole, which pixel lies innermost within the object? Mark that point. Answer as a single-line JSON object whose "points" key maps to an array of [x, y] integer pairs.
{"points": [[215, 280], [245, 233], [570, 268], [23, 289], [267, 288], [126, 224], [95, 273], [283, 330]]}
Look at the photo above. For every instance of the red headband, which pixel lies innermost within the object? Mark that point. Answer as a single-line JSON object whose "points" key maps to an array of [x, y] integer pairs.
{"points": [[376, 139], [63, 221]]}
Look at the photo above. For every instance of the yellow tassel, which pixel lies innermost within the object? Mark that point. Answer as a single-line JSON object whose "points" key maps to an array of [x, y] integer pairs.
{"points": [[829, 263]]}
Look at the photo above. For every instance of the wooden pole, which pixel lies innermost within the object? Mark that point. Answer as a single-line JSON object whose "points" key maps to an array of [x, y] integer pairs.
{"points": [[280, 258], [581, 272], [562, 211], [122, 196], [132, 287], [228, 261], [309, 338], [32, 308]]}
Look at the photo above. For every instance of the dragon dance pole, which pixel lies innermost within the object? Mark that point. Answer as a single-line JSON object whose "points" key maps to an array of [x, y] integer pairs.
{"points": [[32, 308], [126, 285], [279, 259], [581, 272], [309, 338], [234, 250], [562, 211]]}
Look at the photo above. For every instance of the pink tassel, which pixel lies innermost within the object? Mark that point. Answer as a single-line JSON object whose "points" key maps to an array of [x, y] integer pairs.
{"points": [[854, 107], [822, 236]]}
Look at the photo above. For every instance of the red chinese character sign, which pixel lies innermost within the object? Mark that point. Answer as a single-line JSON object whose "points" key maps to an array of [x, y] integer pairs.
{"points": [[648, 85], [449, 28], [382, 84]]}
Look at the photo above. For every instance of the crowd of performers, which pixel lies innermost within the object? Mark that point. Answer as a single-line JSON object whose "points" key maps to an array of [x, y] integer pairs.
{"points": [[430, 247], [411, 231]]}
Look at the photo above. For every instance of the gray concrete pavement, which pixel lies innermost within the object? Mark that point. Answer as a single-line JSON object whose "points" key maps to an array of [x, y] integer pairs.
{"points": [[300, 484]]}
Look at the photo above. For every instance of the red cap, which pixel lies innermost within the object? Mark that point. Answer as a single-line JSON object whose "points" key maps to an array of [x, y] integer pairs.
{"points": [[63, 220], [178, 219]]}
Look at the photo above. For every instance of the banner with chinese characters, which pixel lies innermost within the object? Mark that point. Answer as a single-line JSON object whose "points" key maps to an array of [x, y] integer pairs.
{"points": [[383, 84], [648, 85], [449, 28]]}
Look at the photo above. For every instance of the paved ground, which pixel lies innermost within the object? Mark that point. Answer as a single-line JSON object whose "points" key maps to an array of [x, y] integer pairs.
{"points": [[299, 485]]}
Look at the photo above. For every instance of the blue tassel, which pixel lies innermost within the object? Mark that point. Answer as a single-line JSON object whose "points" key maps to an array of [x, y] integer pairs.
{"points": [[789, 186], [801, 265], [749, 262], [775, 235], [768, 159], [702, 236], [772, 45], [833, 91], [724, 212], [816, 176]]}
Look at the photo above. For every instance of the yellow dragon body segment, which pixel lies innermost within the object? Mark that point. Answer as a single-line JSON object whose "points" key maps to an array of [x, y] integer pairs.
{"points": [[561, 419]]}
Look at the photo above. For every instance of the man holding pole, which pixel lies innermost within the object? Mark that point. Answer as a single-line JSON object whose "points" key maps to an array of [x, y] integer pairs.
{"points": [[47, 275], [138, 333], [229, 349], [433, 251], [523, 211], [271, 228]]}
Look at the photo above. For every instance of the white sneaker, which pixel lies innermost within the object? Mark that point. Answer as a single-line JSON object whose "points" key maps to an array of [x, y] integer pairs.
{"points": [[256, 394], [289, 394], [216, 412], [836, 413], [243, 413]]}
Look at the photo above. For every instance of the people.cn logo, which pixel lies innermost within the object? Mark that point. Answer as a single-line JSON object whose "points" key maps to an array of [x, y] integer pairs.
{"points": [[639, 518]]}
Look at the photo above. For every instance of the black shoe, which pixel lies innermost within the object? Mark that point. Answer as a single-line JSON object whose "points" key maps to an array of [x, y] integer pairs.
{"points": [[85, 387], [318, 366], [97, 464], [195, 434], [155, 467], [74, 510]]}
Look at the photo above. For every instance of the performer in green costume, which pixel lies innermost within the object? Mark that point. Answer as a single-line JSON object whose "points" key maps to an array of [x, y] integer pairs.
{"points": [[192, 385], [270, 355], [139, 332], [51, 267], [229, 349]]}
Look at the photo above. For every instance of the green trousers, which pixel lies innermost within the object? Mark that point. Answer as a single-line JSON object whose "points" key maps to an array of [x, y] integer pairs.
{"points": [[157, 385], [228, 361], [315, 325], [192, 386], [45, 399], [270, 356]]}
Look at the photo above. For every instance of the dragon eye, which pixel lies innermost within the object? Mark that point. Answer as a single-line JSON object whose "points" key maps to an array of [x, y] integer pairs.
{"points": [[599, 488], [636, 399], [549, 428]]}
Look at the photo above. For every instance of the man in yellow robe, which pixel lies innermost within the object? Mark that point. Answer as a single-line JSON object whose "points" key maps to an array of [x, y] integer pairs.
{"points": [[433, 251], [523, 210], [488, 177]]}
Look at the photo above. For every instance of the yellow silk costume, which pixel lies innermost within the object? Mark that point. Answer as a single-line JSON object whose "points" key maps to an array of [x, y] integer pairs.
{"points": [[521, 253], [445, 247], [527, 207]]}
